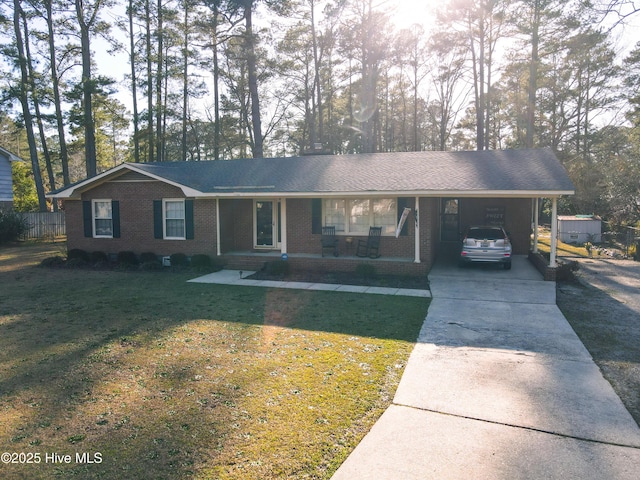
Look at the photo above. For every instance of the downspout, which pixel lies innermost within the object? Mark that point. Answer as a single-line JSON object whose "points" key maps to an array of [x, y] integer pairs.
{"points": [[536, 207], [554, 232], [417, 232], [218, 236]]}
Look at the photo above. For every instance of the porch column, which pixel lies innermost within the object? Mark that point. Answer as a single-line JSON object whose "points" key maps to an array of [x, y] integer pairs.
{"points": [[218, 236], [554, 231], [283, 225], [417, 232], [536, 207]]}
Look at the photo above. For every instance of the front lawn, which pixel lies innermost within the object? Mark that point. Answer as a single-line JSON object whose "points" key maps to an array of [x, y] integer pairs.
{"points": [[148, 376]]}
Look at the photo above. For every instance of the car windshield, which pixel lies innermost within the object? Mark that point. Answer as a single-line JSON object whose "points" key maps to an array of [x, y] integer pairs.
{"points": [[486, 233]]}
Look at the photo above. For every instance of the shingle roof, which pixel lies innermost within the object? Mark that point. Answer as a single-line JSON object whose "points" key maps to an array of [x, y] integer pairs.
{"points": [[472, 172]]}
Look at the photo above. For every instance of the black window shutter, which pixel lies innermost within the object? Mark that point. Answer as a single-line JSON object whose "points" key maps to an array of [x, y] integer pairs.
{"points": [[188, 219], [403, 202], [316, 216], [157, 219], [115, 218], [87, 218]]}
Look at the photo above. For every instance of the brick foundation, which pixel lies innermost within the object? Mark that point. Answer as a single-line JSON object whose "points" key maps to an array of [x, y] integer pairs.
{"points": [[383, 266], [541, 264]]}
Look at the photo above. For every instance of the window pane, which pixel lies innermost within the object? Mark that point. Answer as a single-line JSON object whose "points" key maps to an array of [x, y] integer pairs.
{"points": [[359, 216], [102, 209], [175, 228], [104, 228], [174, 210], [385, 214], [334, 214]]}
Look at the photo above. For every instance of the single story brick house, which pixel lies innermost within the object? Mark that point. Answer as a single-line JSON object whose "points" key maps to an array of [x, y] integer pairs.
{"points": [[250, 211]]}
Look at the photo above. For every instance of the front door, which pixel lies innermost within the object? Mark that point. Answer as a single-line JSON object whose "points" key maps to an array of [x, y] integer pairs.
{"points": [[265, 224], [450, 220]]}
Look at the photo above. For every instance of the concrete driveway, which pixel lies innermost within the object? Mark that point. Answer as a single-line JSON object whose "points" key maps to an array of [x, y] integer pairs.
{"points": [[498, 386]]}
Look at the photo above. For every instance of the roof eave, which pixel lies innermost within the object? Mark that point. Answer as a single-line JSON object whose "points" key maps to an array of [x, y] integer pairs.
{"points": [[10, 156], [392, 193], [75, 191]]}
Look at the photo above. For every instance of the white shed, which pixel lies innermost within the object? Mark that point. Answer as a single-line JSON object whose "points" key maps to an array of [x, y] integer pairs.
{"points": [[579, 228]]}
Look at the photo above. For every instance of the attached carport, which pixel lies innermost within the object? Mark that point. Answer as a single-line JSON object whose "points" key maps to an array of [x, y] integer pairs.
{"points": [[519, 216]]}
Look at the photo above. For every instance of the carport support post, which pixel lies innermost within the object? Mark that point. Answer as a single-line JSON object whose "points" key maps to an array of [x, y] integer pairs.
{"points": [[283, 225], [554, 232], [218, 236], [536, 208], [416, 258]]}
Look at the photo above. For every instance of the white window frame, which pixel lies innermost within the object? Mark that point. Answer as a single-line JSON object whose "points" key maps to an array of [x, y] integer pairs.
{"points": [[347, 216], [165, 201], [94, 217]]}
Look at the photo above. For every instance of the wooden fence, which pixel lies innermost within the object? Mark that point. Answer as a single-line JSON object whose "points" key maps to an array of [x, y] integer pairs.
{"points": [[45, 224]]}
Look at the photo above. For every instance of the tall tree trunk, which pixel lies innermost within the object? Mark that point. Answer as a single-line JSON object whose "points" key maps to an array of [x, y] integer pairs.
{"points": [[252, 73], [185, 80], [533, 75], [33, 151], [62, 142], [316, 79], [36, 107], [216, 86], [87, 93], [160, 107], [134, 86], [416, 143], [150, 132]]}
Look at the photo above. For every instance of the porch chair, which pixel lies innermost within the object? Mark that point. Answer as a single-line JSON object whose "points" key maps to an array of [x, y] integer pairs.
{"points": [[329, 240], [371, 246]]}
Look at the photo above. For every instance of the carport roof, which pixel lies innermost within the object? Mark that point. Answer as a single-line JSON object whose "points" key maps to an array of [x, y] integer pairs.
{"points": [[511, 173]]}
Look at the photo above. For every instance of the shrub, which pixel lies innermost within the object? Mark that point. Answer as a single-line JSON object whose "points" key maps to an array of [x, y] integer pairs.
{"points": [[279, 268], [78, 256], [52, 262], [12, 225], [151, 266], [76, 262], [366, 270], [201, 262], [179, 260], [149, 257], [565, 271], [127, 258], [98, 258]]}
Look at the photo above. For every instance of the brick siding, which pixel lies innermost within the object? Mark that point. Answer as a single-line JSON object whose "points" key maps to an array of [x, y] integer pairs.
{"points": [[137, 223], [517, 215]]}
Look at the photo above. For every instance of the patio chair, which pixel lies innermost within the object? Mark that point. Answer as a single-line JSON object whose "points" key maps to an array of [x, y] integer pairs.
{"points": [[329, 240], [371, 246]]}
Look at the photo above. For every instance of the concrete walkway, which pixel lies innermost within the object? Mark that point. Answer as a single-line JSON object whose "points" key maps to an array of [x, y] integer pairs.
{"points": [[498, 387], [237, 277]]}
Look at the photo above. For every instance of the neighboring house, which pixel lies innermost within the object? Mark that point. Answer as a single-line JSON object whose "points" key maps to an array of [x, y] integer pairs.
{"points": [[252, 210], [579, 228], [6, 183]]}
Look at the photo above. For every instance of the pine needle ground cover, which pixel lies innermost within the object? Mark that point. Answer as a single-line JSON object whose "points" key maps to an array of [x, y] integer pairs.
{"points": [[111, 374]]}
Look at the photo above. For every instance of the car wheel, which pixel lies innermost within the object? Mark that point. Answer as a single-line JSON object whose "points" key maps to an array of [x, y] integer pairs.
{"points": [[507, 266]]}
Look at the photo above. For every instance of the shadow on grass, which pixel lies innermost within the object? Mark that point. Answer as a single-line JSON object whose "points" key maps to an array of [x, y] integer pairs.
{"points": [[610, 331], [156, 374]]}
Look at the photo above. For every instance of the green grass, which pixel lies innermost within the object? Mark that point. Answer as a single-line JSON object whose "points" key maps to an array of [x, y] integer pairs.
{"points": [[563, 249], [167, 379]]}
